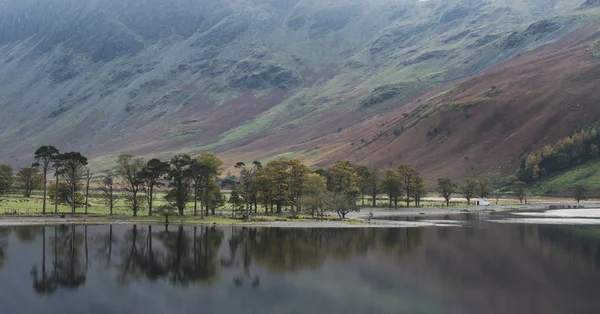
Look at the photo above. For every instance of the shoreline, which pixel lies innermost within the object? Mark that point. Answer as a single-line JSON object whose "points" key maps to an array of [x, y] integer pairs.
{"points": [[366, 218]]}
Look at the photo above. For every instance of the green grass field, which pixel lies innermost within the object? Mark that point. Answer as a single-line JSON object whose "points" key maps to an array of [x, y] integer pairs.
{"points": [[587, 175]]}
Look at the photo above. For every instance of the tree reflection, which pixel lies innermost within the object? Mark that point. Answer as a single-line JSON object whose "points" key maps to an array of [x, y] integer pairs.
{"points": [[291, 250], [69, 266], [192, 257], [4, 233], [186, 256], [44, 284]]}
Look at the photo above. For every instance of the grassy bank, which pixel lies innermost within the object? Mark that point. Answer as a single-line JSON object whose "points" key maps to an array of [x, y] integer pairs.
{"points": [[587, 175]]}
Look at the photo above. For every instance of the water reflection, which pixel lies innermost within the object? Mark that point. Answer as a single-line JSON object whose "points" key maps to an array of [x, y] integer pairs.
{"points": [[491, 268]]}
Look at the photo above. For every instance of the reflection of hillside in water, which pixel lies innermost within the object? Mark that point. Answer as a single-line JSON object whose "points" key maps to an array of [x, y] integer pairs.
{"points": [[512, 268]]}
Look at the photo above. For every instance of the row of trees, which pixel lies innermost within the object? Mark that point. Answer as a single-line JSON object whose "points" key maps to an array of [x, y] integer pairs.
{"points": [[572, 150], [289, 183], [276, 186], [138, 179]]}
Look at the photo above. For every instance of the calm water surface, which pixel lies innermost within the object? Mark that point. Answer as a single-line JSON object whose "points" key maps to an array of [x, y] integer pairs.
{"points": [[487, 268]]}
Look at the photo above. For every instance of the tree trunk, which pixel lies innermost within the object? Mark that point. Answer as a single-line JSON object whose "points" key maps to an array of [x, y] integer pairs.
{"points": [[207, 208], [202, 214], [246, 201], [86, 199], [73, 198], [363, 199], [135, 205], [112, 200], [196, 200], [374, 200], [151, 196], [56, 196], [44, 202]]}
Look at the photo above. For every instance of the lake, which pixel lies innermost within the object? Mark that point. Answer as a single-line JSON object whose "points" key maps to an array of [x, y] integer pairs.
{"points": [[476, 268]]}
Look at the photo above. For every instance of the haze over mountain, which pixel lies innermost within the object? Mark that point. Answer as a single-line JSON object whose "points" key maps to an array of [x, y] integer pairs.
{"points": [[455, 87]]}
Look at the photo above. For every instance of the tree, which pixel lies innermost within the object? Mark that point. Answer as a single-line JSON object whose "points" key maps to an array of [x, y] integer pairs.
{"points": [[58, 170], [343, 178], [364, 174], [372, 184], [265, 188], [88, 179], [152, 175], [213, 198], [44, 157], [130, 171], [313, 194], [277, 176], [246, 175], [391, 185], [297, 175], [106, 186], [484, 187], [63, 195], [203, 172], [166, 211], [520, 190], [340, 203], [580, 193], [73, 164], [179, 182], [446, 188], [28, 179], [6, 178], [467, 189], [236, 201], [418, 191], [407, 175]]}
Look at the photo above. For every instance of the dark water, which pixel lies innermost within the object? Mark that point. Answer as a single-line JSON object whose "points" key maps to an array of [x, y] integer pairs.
{"points": [[491, 268]]}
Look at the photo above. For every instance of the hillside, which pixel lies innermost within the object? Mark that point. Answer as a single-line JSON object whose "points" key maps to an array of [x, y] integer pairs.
{"points": [[378, 81]]}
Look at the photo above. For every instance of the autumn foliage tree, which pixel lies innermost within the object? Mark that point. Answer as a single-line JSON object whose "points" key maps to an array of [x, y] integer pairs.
{"points": [[468, 189], [446, 187], [28, 179], [572, 150]]}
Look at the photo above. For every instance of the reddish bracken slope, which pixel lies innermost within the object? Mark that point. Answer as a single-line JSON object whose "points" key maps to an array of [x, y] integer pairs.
{"points": [[480, 125]]}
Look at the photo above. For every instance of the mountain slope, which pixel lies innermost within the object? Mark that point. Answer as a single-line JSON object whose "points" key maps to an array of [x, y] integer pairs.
{"points": [[255, 78]]}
